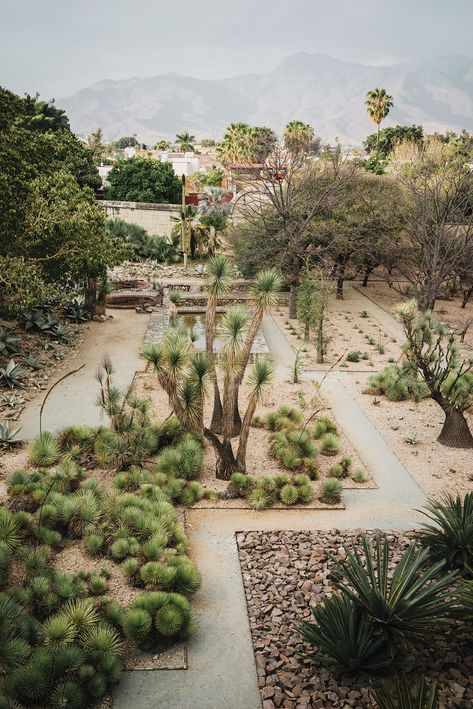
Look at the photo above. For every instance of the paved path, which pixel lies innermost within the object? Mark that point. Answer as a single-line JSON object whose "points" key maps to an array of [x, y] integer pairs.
{"points": [[221, 672], [73, 401]]}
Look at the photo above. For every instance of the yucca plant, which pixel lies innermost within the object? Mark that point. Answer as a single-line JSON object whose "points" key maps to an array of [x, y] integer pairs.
{"points": [[449, 533], [137, 624], [44, 450], [409, 606], [344, 638], [289, 494], [99, 641], [332, 490], [259, 499], [402, 695], [188, 579]]}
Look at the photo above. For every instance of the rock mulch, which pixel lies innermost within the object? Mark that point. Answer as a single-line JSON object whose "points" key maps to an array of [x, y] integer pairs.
{"points": [[284, 575]]}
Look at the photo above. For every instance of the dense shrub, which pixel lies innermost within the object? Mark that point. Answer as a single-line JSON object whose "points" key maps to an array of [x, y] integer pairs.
{"points": [[397, 384]]}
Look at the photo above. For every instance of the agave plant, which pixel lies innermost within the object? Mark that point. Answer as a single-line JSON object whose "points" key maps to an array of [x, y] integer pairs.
{"points": [[11, 375], [76, 311], [403, 696], [449, 533], [8, 436], [407, 607], [9, 341], [344, 638]]}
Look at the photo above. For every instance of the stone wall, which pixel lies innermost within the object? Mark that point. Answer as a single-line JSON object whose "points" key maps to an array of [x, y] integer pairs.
{"points": [[155, 218]]}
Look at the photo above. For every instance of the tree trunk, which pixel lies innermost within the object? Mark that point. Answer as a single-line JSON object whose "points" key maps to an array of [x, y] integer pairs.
{"points": [[455, 432], [320, 339], [226, 463], [217, 411], [91, 295], [293, 291], [369, 270], [244, 435], [466, 296], [340, 281]]}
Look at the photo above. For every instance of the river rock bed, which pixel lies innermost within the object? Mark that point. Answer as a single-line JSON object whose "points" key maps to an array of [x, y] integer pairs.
{"points": [[284, 575]]}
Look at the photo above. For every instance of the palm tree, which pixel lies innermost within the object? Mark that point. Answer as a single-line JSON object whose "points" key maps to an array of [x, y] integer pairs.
{"points": [[185, 142], [298, 136], [237, 144], [378, 103]]}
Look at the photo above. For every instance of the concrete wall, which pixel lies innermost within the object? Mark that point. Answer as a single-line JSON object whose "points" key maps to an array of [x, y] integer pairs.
{"points": [[155, 218]]}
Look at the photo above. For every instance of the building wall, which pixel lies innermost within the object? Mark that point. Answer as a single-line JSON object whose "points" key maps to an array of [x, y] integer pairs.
{"points": [[155, 218]]}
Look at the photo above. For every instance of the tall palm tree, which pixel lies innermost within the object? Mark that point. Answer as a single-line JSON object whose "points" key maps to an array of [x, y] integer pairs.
{"points": [[185, 142], [298, 136], [237, 144], [378, 104]]}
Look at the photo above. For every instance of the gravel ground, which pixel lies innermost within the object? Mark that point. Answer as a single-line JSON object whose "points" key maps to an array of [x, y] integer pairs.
{"points": [[284, 574]]}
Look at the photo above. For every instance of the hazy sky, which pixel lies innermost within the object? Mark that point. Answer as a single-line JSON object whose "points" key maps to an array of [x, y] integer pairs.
{"points": [[59, 46]]}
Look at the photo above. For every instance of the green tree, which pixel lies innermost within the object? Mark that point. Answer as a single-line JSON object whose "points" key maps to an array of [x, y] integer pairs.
{"points": [[43, 115], [378, 103], [128, 141], [162, 145], [298, 136], [95, 143], [211, 178], [388, 138], [432, 352], [185, 142], [143, 179]]}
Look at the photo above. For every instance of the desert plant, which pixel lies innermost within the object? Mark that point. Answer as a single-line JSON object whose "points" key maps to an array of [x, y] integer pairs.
{"points": [[448, 535], [76, 311], [8, 436], [359, 476], [289, 494], [43, 450], [259, 499], [336, 471], [329, 444], [401, 695], [345, 638], [332, 490], [9, 341], [407, 606], [11, 375], [353, 356]]}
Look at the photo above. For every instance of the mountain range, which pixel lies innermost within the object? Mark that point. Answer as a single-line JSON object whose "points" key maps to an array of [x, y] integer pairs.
{"points": [[326, 92]]}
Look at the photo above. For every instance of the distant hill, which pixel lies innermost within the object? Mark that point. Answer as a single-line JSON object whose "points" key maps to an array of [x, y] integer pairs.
{"points": [[326, 92]]}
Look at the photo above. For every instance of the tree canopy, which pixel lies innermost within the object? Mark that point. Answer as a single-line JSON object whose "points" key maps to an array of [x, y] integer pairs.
{"points": [[390, 137], [142, 179]]}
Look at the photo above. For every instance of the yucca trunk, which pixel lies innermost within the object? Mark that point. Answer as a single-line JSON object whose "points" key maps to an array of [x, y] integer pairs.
{"points": [[217, 411], [455, 431], [226, 462], [244, 435]]}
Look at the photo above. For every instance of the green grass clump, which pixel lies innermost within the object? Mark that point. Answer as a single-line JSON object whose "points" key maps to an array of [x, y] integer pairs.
{"points": [[397, 384], [329, 444], [259, 499], [289, 494], [332, 490], [359, 476], [137, 624], [337, 471], [353, 356], [43, 450]]}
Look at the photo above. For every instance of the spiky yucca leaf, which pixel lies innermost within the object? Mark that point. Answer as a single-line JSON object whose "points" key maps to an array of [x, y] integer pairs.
{"points": [[449, 533], [137, 624], [44, 450], [343, 637], [100, 640], [10, 535], [169, 620], [406, 606], [58, 630], [219, 273], [403, 696], [266, 288], [67, 695]]}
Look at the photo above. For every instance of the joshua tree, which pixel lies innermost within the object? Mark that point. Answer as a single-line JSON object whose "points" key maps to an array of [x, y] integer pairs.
{"points": [[186, 376], [378, 103], [432, 352], [185, 141]]}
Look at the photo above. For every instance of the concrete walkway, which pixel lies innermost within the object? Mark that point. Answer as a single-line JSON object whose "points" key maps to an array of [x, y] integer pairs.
{"points": [[73, 401], [221, 670]]}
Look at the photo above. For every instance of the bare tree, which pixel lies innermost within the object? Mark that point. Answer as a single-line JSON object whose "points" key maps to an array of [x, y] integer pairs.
{"points": [[438, 220], [292, 189]]}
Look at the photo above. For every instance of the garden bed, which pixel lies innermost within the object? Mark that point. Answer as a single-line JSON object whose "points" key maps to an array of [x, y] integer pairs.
{"points": [[284, 574]]}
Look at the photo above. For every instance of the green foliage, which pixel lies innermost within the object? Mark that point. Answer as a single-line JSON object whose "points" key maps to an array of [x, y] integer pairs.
{"points": [[329, 444], [404, 696], [390, 137], [337, 471], [405, 607], [323, 425], [43, 450], [353, 356], [11, 375], [359, 476], [184, 460], [144, 246], [448, 536], [344, 638], [142, 179], [289, 494], [8, 436], [137, 624], [397, 384], [9, 341], [332, 490]]}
